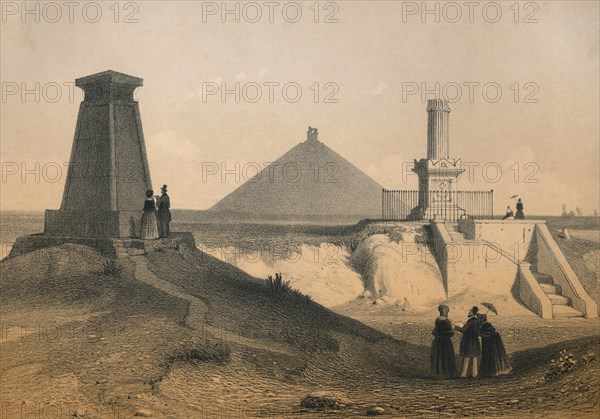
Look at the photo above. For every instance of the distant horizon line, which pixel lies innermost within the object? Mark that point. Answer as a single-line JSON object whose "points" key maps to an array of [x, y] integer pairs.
{"points": [[530, 217]]}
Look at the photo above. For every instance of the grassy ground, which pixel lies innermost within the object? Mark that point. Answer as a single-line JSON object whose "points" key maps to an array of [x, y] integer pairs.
{"points": [[208, 341], [73, 338]]}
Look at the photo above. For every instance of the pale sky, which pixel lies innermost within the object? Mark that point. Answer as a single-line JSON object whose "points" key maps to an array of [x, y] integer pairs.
{"points": [[371, 56]]}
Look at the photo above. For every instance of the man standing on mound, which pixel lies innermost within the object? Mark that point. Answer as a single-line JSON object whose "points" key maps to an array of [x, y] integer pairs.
{"points": [[470, 348]]}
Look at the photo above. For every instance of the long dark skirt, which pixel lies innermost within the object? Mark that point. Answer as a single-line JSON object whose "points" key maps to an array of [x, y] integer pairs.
{"points": [[443, 361], [493, 357], [149, 225]]}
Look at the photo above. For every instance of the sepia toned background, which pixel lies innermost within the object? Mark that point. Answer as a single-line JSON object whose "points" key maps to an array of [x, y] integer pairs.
{"points": [[541, 132]]}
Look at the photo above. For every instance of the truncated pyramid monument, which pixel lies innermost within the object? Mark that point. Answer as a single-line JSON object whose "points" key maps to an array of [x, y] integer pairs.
{"points": [[108, 170], [108, 176], [309, 180]]}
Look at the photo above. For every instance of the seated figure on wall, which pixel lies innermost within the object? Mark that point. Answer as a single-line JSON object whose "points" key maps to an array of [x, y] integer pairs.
{"points": [[509, 214]]}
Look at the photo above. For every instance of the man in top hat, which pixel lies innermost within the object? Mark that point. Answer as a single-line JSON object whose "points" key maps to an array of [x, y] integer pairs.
{"points": [[163, 203], [470, 348]]}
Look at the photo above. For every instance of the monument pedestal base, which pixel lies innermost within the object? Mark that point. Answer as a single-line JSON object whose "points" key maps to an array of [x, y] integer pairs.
{"points": [[93, 224], [438, 212], [108, 247], [444, 212]]}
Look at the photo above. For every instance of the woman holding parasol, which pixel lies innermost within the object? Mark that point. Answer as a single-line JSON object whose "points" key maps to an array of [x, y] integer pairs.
{"points": [[494, 360], [519, 215]]}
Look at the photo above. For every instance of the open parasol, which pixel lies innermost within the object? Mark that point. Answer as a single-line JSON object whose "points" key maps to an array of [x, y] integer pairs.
{"points": [[491, 307]]}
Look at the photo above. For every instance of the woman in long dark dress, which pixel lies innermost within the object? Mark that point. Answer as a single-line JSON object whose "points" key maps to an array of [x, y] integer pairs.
{"points": [[520, 215], [149, 221], [493, 354], [443, 361]]}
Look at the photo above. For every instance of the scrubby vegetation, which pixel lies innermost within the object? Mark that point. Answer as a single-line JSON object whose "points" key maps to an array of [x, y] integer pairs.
{"points": [[325, 400], [110, 267], [565, 363], [208, 351], [278, 286], [282, 289], [351, 242]]}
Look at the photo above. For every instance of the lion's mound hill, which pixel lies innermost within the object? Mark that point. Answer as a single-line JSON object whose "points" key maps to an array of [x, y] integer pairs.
{"points": [[309, 180]]}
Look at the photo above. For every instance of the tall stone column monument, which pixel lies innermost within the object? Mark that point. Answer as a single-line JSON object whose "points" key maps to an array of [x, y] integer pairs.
{"points": [[438, 172], [108, 171]]}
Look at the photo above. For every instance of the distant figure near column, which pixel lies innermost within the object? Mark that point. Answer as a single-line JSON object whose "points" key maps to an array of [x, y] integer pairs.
{"points": [[164, 214], [519, 215]]}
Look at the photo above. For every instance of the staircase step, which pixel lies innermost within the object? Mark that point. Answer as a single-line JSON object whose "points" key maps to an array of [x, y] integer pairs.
{"points": [[563, 312], [456, 236], [543, 278], [558, 299], [551, 288]]}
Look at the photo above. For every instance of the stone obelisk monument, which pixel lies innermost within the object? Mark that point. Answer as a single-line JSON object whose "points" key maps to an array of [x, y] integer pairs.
{"points": [[438, 172], [108, 171]]}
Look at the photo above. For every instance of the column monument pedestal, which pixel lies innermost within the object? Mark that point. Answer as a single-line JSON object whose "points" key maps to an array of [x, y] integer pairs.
{"points": [[438, 172]]}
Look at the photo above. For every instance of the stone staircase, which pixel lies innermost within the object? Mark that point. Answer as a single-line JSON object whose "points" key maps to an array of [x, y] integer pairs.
{"points": [[541, 293], [455, 235], [561, 305]]}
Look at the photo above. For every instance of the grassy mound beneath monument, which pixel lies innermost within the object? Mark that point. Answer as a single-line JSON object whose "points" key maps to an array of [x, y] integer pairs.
{"points": [[80, 333]]}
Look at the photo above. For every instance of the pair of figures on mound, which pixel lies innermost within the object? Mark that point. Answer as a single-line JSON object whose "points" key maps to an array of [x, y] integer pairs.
{"points": [[491, 349], [157, 215]]}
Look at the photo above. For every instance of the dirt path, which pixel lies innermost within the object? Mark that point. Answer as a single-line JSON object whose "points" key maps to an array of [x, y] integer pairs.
{"points": [[235, 391], [196, 317]]}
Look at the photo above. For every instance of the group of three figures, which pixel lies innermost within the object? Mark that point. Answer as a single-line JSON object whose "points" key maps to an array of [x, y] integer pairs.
{"points": [[491, 349], [157, 215]]}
